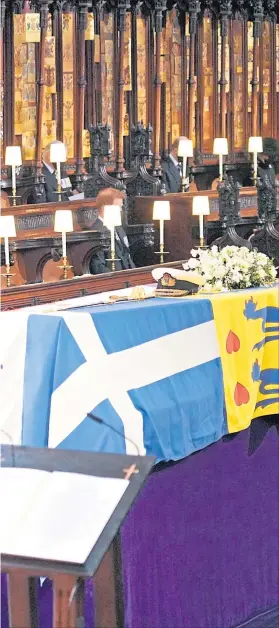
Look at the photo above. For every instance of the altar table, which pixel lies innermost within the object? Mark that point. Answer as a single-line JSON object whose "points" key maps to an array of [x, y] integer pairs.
{"points": [[172, 375]]}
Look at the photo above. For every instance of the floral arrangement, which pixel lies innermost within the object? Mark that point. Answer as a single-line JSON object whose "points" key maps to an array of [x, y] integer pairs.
{"points": [[232, 268]]}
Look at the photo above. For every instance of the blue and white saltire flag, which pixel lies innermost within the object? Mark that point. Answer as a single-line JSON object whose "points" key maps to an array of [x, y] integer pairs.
{"points": [[152, 370]]}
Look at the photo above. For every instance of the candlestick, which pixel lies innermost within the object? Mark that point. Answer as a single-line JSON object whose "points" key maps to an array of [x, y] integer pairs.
{"points": [[63, 222], [221, 167], [201, 229], [220, 147], [201, 209], [58, 171], [13, 158], [112, 219], [161, 212], [7, 229], [184, 150], [7, 254], [255, 146], [64, 254], [161, 231], [255, 168], [58, 155], [112, 248]]}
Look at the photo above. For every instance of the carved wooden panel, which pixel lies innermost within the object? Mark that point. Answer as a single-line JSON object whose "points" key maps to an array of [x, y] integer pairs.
{"points": [[203, 69]]}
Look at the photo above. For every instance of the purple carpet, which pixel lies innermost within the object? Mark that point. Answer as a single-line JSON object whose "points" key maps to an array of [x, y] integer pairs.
{"points": [[200, 546]]}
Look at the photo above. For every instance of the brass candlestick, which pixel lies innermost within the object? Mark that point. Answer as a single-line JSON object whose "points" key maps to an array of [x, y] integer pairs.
{"points": [[162, 252], [112, 259], [185, 184], [8, 275], [13, 197], [65, 267]]}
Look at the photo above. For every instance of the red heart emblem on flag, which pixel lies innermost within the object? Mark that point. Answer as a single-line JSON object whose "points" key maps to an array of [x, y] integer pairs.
{"points": [[233, 342], [241, 395]]}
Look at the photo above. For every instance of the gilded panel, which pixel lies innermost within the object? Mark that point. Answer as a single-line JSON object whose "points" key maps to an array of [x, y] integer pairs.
{"points": [[141, 69]]}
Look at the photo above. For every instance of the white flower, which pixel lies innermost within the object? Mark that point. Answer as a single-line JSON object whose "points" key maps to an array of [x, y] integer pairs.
{"points": [[220, 272], [214, 251], [193, 263], [194, 253], [261, 272], [218, 285]]}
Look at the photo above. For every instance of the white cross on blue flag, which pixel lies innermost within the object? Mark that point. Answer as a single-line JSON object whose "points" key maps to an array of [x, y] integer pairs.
{"points": [[152, 370]]}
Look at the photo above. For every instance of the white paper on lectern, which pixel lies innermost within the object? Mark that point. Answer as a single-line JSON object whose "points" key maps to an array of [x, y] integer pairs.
{"points": [[54, 516]]}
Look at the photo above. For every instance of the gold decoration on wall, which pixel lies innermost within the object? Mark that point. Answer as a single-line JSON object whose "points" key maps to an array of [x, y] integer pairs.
{"points": [[28, 145], [89, 31], [267, 113], [207, 63], [97, 50], [68, 82], [141, 69], [238, 70], [85, 144], [250, 63], [107, 60], [48, 132], [127, 54]]}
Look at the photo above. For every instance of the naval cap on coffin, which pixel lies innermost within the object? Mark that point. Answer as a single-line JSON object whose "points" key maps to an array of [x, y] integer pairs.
{"points": [[175, 279]]}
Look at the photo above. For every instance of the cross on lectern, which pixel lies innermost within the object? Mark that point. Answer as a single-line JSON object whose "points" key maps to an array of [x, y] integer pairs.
{"points": [[129, 472]]}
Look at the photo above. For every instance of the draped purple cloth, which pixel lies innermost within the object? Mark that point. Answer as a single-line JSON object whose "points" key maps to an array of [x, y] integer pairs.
{"points": [[200, 546]]}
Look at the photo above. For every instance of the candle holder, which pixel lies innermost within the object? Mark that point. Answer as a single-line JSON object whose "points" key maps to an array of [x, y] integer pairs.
{"points": [[13, 159], [255, 146], [161, 212], [220, 147], [13, 197], [162, 252], [65, 267], [112, 259], [58, 155], [185, 150], [201, 209], [7, 230], [63, 222], [8, 275], [112, 219]]}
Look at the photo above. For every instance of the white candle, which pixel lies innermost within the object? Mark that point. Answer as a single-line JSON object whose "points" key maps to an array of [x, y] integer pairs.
{"points": [[13, 178], [221, 167], [7, 256], [201, 226], [184, 167], [64, 254], [112, 239], [161, 231], [255, 166]]}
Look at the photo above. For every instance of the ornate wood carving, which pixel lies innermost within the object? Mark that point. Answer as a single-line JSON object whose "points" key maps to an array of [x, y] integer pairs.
{"points": [[191, 84], [81, 84], [194, 9], [41, 83], [229, 213]]}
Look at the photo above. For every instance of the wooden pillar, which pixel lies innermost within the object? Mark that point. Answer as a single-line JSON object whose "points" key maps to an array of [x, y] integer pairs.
{"points": [[226, 8], [194, 9], [81, 84], [121, 24], [41, 84], [257, 30], [160, 6], [2, 18]]}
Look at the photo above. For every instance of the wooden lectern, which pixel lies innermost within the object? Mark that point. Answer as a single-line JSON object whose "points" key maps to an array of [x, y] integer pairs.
{"points": [[104, 559]]}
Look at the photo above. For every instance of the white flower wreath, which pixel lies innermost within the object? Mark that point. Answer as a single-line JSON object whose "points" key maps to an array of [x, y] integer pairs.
{"points": [[232, 268]]}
